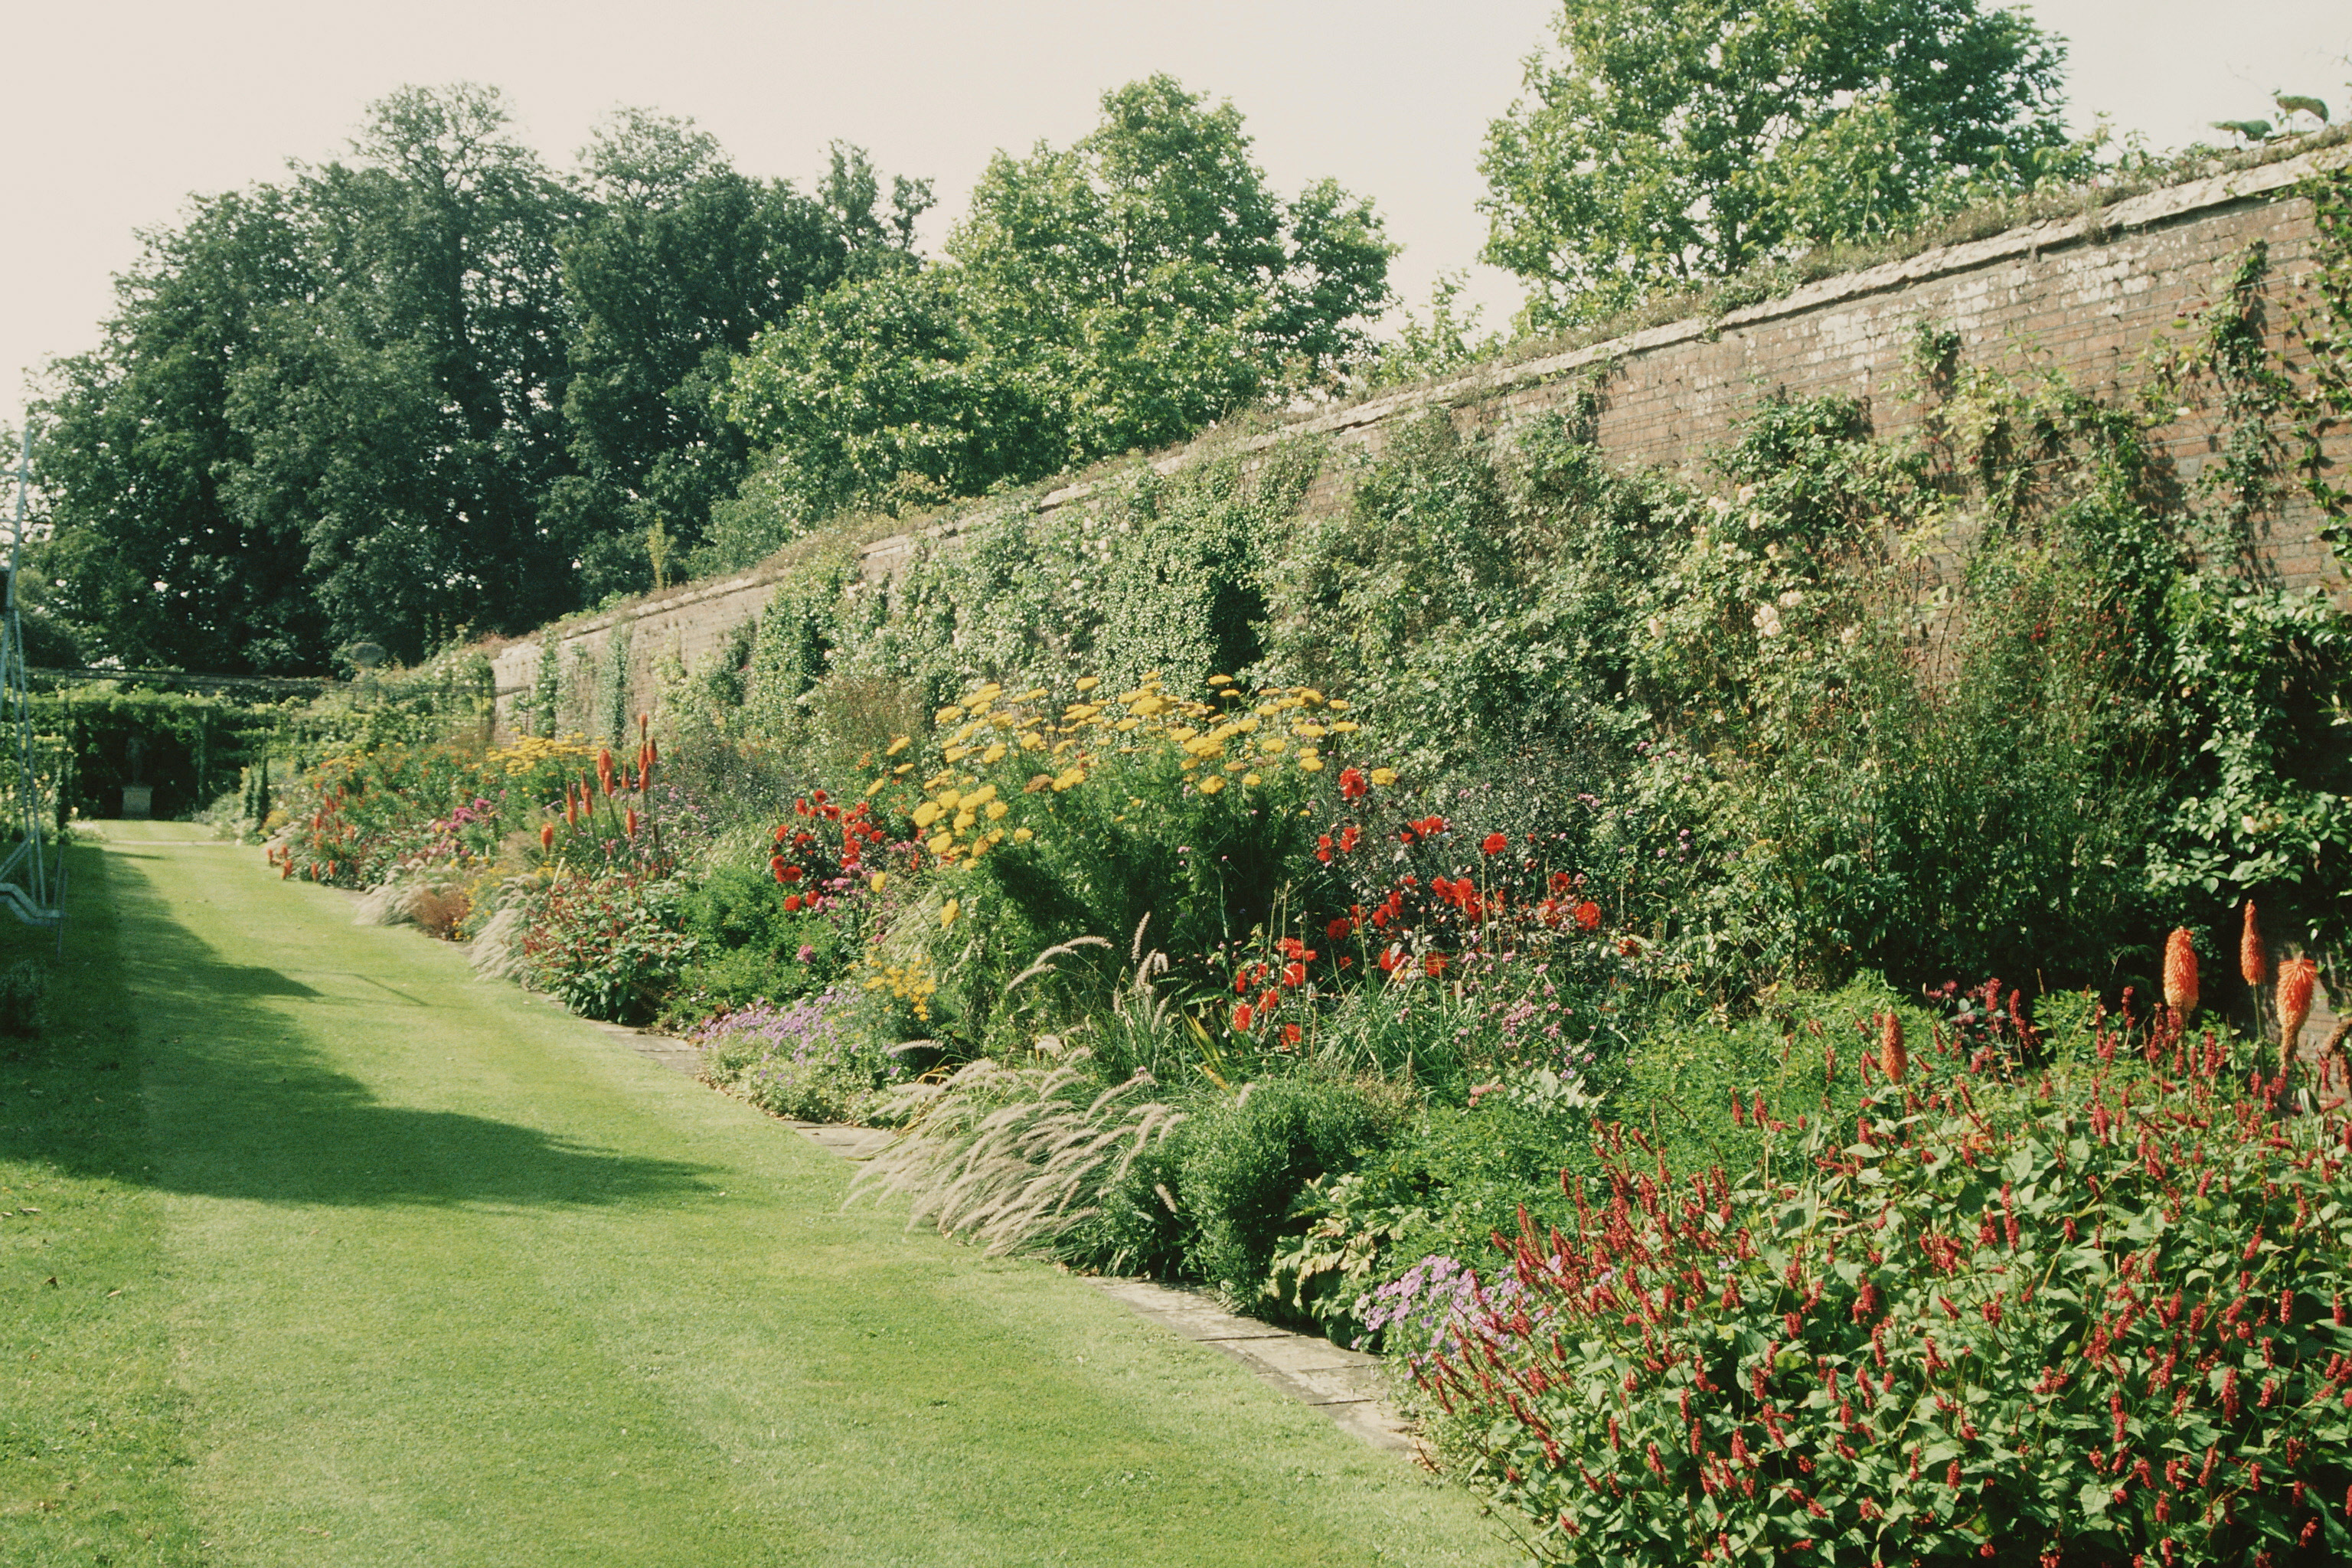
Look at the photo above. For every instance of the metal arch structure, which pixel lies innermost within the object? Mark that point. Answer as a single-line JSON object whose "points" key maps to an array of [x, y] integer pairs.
{"points": [[32, 877]]}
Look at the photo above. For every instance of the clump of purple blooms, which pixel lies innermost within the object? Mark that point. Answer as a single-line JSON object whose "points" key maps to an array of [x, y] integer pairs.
{"points": [[807, 1058], [1430, 1307]]}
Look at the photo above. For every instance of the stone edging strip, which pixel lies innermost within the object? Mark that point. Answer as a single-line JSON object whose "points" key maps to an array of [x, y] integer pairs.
{"points": [[1345, 1384]]}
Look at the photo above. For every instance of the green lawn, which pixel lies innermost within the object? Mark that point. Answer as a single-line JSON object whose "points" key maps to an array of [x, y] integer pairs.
{"points": [[347, 1257]]}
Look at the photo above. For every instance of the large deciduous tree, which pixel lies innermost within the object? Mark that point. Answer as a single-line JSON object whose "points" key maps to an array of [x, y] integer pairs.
{"points": [[428, 389], [1123, 292], [682, 262], [1667, 141]]}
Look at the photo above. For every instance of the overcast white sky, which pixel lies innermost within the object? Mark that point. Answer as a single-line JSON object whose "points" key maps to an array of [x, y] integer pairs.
{"points": [[112, 114]]}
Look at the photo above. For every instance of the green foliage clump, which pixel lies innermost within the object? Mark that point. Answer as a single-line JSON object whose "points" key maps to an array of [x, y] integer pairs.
{"points": [[1246, 1160], [1119, 294], [749, 946], [23, 995]]}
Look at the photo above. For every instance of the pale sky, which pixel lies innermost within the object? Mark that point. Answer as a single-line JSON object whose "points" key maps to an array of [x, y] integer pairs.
{"points": [[114, 115]]}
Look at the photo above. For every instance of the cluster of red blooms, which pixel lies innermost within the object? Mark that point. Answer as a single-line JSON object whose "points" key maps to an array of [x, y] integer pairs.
{"points": [[798, 863], [2193, 1372], [580, 799], [329, 832], [1285, 974], [1430, 927]]}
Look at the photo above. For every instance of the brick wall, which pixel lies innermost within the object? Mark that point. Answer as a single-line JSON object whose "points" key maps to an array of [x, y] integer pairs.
{"points": [[2085, 297]]}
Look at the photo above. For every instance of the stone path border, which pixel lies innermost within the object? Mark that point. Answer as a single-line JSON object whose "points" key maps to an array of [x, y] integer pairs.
{"points": [[1345, 1384]]}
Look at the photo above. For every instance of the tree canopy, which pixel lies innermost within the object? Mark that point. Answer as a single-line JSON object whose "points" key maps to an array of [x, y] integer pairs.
{"points": [[1666, 142], [1123, 292], [436, 388]]}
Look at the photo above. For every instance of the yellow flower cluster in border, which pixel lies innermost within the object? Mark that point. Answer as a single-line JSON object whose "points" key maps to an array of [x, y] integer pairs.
{"points": [[528, 751], [1238, 736], [912, 984]]}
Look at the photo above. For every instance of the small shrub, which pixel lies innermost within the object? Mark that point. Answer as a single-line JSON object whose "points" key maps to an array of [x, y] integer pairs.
{"points": [[1248, 1159], [1016, 1157], [24, 991], [608, 948], [806, 1059]]}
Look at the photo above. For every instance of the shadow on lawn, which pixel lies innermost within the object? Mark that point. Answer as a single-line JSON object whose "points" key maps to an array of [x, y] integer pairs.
{"points": [[236, 1104]]}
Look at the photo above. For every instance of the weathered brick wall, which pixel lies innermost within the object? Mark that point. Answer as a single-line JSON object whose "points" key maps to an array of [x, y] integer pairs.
{"points": [[2085, 297]]}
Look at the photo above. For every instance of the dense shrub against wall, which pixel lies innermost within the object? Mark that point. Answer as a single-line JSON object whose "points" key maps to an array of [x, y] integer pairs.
{"points": [[2002, 695]]}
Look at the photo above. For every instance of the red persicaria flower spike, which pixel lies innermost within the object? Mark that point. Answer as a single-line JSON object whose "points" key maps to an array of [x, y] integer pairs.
{"points": [[2180, 972]]}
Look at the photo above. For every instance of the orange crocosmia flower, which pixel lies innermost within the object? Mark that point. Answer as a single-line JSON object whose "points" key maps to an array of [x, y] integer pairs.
{"points": [[1269, 1002], [1294, 974], [1323, 848], [1495, 843], [1349, 837], [1338, 929], [1434, 963], [1352, 785], [1588, 915], [1389, 959], [1243, 1017], [1290, 1034]]}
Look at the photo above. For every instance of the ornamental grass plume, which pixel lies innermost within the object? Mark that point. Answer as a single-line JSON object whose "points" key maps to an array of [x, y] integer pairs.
{"points": [[2180, 974], [2252, 962], [1892, 1061]]}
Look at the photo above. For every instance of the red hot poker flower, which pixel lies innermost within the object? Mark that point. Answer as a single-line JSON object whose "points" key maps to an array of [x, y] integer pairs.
{"points": [[2180, 972], [2253, 960]]}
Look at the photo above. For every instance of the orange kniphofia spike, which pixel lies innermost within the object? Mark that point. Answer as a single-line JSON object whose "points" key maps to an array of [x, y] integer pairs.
{"points": [[2180, 972]]}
